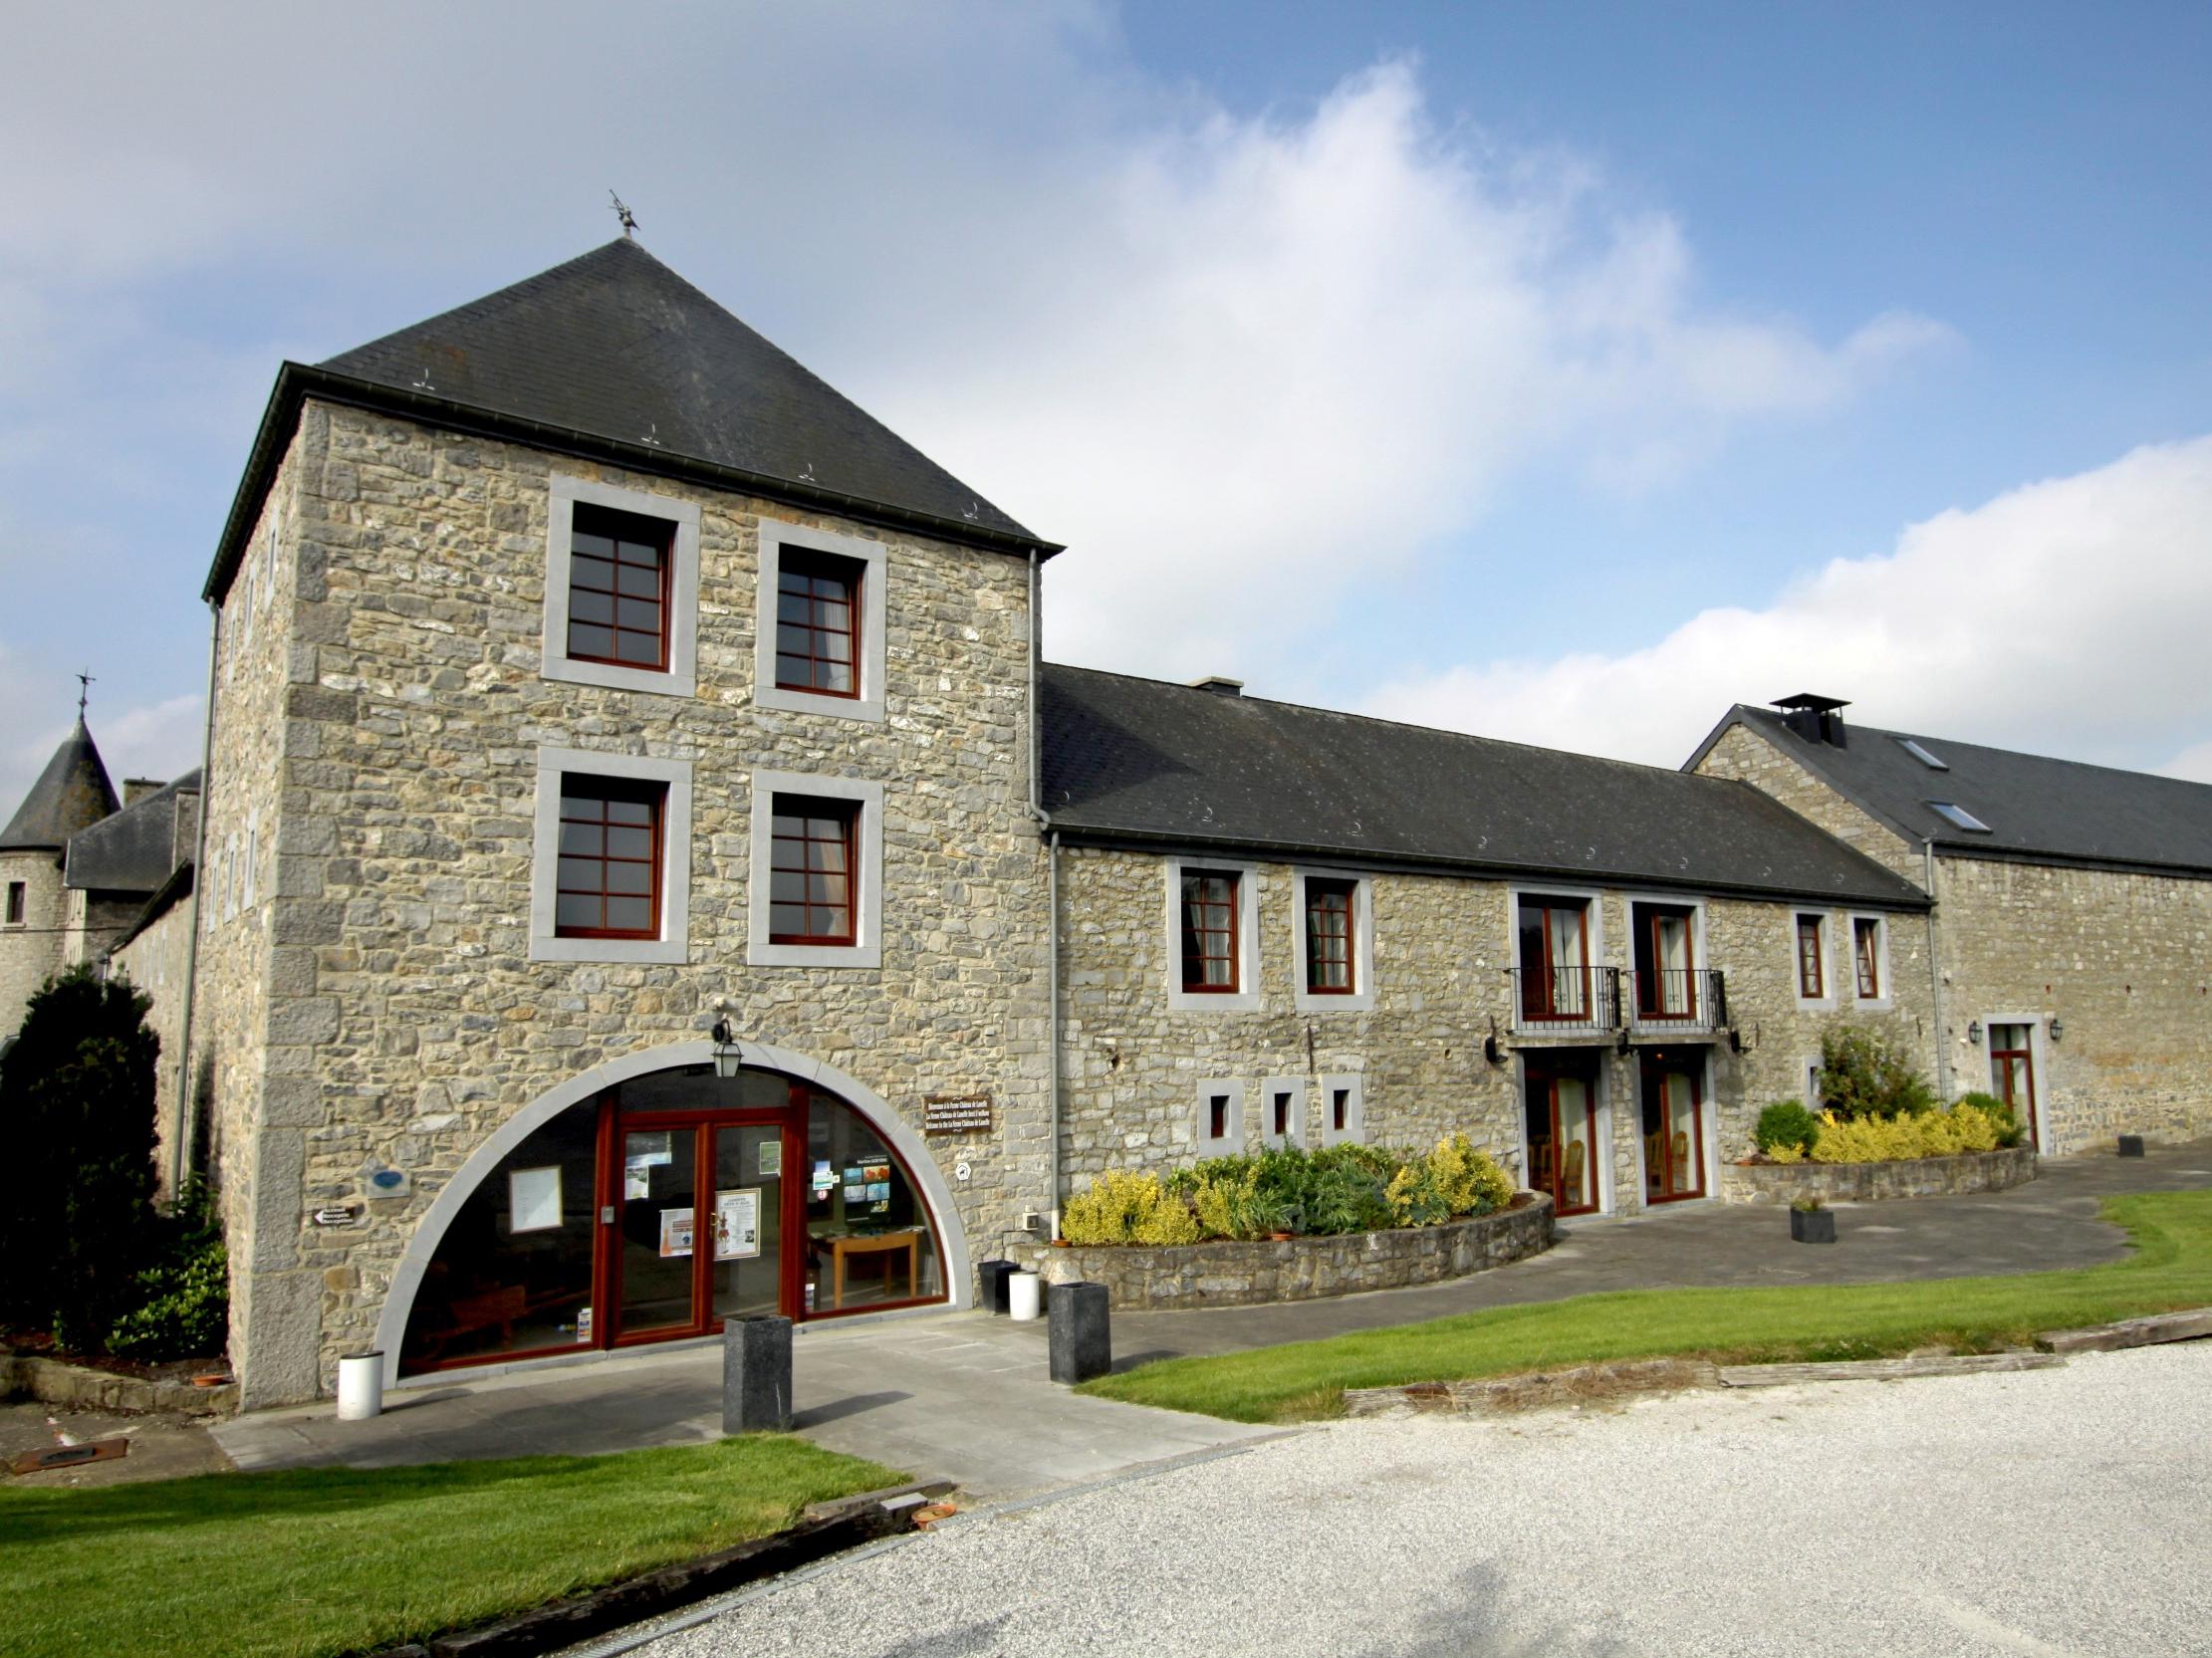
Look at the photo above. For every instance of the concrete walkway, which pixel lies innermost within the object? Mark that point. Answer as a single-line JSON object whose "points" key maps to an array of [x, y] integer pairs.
{"points": [[966, 1396]]}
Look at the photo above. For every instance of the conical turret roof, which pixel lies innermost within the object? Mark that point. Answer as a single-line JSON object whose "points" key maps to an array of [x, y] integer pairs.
{"points": [[72, 794]]}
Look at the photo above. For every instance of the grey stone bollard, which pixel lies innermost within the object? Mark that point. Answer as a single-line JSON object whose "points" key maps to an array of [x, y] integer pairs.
{"points": [[995, 1295], [1080, 1343], [2130, 1145], [755, 1374]]}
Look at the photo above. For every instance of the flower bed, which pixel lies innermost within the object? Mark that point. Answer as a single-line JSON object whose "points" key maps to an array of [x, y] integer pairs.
{"points": [[1233, 1273], [1977, 1171]]}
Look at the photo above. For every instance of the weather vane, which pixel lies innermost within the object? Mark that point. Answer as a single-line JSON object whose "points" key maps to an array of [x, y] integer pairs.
{"points": [[84, 691], [623, 212]]}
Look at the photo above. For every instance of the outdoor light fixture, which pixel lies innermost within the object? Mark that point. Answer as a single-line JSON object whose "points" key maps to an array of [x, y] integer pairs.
{"points": [[2058, 1027], [728, 1056], [1974, 1032]]}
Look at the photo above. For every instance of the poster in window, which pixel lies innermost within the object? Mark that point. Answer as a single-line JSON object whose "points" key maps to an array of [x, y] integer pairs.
{"points": [[770, 1158], [533, 1199], [737, 1224], [676, 1233], [637, 1180]]}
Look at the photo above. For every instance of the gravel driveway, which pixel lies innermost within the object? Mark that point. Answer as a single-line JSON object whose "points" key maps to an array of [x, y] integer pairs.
{"points": [[2045, 1512]]}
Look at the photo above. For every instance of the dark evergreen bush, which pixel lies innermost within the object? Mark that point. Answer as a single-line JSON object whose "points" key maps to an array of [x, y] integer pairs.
{"points": [[1864, 1075], [184, 1298], [1786, 1122]]}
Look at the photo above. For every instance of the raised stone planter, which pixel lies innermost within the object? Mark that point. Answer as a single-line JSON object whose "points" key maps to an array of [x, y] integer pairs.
{"points": [[1975, 1171], [1226, 1274], [53, 1381]]}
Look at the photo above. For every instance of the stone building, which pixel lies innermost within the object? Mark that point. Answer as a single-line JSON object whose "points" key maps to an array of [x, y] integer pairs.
{"points": [[41, 923], [2073, 909]]}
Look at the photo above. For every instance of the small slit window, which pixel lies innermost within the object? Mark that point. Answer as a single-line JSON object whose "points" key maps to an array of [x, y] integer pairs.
{"points": [[1920, 754], [1958, 816], [18, 892]]}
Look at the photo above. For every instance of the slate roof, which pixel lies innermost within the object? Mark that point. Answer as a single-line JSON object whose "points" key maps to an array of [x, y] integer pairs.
{"points": [[136, 850], [72, 794], [1146, 761], [2060, 811], [613, 353]]}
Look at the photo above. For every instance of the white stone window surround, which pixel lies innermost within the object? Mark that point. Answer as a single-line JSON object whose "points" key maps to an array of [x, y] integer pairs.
{"points": [[775, 536], [1812, 1070], [680, 678], [1594, 930], [1294, 1135], [1981, 1076], [1231, 1140], [1361, 997], [1246, 997], [866, 948], [1825, 1000], [1355, 1090], [674, 943], [1888, 998], [1699, 960]]}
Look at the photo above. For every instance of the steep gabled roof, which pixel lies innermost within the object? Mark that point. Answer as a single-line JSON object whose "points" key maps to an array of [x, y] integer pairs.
{"points": [[1141, 760], [133, 851], [72, 794], [612, 355], [2037, 807]]}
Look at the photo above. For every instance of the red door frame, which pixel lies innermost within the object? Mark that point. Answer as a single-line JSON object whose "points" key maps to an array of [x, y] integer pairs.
{"points": [[1654, 1074], [1549, 1079], [2003, 1075]]}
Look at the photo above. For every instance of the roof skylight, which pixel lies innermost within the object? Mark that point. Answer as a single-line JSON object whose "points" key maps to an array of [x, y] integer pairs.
{"points": [[1922, 755], [1959, 815]]}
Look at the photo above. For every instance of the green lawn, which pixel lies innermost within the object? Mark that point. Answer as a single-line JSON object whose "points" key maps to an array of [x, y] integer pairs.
{"points": [[332, 1561], [2171, 1268]]}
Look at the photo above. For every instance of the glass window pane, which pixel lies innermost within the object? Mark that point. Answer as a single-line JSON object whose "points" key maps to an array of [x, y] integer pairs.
{"points": [[639, 647], [630, 877], [579, 875], [622, 841], [870, 1237], [588, 838], [583, 542], [590, 641], [786, 918], [785, 828], [629, 915], [586, 605], [835, 676], [790, 606], [576, 910], [787, 886], [641, 584], [628, 811]]}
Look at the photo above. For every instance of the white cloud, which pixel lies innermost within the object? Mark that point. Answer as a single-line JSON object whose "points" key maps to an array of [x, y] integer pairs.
{"points": [[2066, 618]]}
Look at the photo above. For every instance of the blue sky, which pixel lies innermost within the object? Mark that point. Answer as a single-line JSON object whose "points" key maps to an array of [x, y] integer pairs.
{"points": [[1558, 372]]}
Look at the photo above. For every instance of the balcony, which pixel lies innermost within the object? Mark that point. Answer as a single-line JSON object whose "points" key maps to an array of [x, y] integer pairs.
{"points": [[1679, 1001], [1565, 1000]]}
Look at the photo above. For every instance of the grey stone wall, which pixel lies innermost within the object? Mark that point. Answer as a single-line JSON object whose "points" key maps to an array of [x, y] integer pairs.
{"points": [[156, 962], [1133, 1064], [1225, 1273], [32, 953], [1747, 756], [391, 740], [1975, 1171]]}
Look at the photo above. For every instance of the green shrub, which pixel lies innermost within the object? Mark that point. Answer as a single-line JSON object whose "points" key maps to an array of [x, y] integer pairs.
{"points": [[1452, 1180], [1863, 1075], [1123, 1207], [2011, 1131], [185, 1312], [1786, 1123]]}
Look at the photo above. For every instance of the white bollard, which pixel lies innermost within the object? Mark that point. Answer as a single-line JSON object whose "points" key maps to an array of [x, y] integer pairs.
{"points": [[1025, 1296], [360, 1386]]}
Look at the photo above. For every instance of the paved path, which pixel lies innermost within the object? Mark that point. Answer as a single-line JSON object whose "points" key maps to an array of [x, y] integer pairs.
{"points": [[964, 1396], [2043, 1513]]}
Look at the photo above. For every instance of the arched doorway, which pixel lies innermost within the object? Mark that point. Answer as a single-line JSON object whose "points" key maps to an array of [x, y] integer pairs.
{"points": [[649, 1202]]}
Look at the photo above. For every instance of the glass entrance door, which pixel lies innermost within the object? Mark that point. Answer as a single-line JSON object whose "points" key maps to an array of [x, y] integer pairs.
{"points": [[2012, 1073], [1673, 1133], [1562, 1120], [699, 1222]]}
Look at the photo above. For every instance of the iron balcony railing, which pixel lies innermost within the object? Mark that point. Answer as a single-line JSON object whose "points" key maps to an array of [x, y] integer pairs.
{"points": [[1565, 1000], [1680, 999]]}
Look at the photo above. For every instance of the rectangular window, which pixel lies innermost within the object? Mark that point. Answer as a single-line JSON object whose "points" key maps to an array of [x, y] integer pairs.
{"points": [[17, 898], [1867, 952], [1281, 1128], [818, 623], [1665, 964], [1328, 937], [1217, 1117], [1339, 1109], [1210, 932], [811, 871], [608, 884], [1556, 978], [619, 565], [1811, 966]]}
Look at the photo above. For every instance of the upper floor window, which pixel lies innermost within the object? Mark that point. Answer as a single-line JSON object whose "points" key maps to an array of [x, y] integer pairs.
{"points": [[609, 879], [1812, 958], [621, 588], [1866, 954], [1555, 958], [1211, 931], [619, 565], [1666, 965], [819, 648], [1330, 938], [18, 902], [811, 871], [818, 623]]}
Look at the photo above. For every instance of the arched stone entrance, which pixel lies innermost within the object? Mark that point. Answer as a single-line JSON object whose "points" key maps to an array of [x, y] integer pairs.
{"points": [[948, 1235]]}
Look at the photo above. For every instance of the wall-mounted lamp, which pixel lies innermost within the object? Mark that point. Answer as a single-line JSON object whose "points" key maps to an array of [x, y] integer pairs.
{"points": [[1736, 1043], [729, 1058], [1974, 1032], [2058, 1027], [1491, 1051]]}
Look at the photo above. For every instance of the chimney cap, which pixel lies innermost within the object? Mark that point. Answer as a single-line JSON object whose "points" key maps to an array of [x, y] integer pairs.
{"points": [[1220, 684], [1806, 699]]}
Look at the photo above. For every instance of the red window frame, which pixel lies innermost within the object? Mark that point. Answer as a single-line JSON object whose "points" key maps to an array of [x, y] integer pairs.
{"points": [[628, 531], [1541, 999], [1209, 929], [815, 581], [1329, 909], [1812, 958], [806, 854], [588, 840], [1866, 956]]}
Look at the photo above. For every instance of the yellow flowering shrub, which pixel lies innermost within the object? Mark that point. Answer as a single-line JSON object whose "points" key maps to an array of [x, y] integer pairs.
{"points": [[1952, 1133], [1454, 1179], [1229, 1205], [1124, 1207]]}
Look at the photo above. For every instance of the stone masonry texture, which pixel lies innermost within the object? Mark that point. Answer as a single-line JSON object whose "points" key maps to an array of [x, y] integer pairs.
{"points": [[378, 739]]}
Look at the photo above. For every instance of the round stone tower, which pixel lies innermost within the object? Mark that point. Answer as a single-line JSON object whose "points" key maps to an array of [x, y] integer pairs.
{"points": [[72, 794]]}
